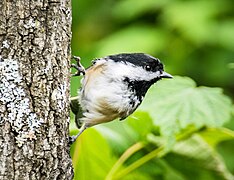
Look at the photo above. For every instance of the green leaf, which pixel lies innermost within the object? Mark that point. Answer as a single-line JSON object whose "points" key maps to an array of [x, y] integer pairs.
{"points": [[116, 133], [213, 136], [91, 156], [203, 159], [177, 103], [135, 128], [141, 123]]}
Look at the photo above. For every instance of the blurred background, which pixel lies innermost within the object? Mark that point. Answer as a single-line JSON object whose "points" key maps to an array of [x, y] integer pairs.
{"points": [[193, 38]]}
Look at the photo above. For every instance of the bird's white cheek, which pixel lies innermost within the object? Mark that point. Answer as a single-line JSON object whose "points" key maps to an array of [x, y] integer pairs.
{"points": [[136, 73]]}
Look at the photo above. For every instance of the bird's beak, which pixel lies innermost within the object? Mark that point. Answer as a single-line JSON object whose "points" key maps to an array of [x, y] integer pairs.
{"points": [[165, 75]]}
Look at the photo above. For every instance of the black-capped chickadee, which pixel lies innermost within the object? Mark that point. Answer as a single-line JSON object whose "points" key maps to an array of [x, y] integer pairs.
{"points": [[114, 86]]}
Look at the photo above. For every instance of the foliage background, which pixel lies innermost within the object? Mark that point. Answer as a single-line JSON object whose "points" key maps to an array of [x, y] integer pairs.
{"points": [[192, 38]]}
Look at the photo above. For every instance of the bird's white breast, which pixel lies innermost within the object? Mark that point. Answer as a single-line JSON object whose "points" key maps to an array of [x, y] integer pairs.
{"points": [[103, 90]]}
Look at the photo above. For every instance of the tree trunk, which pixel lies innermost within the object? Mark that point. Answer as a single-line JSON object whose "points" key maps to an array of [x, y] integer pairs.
{"points": [[34, 89]]}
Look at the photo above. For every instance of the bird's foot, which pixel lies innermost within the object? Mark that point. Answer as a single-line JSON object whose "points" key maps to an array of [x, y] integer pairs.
{"points": [[78, 66]]}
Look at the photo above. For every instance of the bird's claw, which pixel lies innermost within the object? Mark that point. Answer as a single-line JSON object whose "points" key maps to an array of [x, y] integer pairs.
{"points": [[78, 66]]}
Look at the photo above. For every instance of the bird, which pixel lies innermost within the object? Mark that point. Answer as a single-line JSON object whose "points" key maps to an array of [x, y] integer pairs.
{"points": [[114, 86]]}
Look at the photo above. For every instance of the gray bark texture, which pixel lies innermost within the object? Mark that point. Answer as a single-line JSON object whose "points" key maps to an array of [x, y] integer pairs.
{"points": [[34, 89]]}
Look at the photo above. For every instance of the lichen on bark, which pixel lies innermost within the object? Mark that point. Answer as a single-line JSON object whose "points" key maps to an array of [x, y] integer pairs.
{"points": [[34, 89]]}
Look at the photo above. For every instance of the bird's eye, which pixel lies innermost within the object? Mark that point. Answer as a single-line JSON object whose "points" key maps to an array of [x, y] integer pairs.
{"points": [[147, 68]]}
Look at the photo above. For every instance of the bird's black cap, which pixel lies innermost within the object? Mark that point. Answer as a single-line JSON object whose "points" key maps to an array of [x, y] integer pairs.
{"points": [[146, 61]]}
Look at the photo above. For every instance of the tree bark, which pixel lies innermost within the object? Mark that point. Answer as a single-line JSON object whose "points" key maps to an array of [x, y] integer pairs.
{"points": [[34, 89]]}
